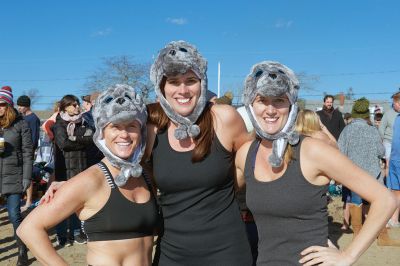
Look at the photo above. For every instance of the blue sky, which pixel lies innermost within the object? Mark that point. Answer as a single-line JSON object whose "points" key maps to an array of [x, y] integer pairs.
{"points": [[53, 46]]}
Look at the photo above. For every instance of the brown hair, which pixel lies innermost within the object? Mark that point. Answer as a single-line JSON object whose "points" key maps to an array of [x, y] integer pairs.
{"points": [[396, 96], [8, 118], [67, 100], [203, 141]]}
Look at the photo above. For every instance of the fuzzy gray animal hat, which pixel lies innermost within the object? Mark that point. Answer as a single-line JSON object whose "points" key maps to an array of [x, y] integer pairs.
{"points": [[270, 78], [120, 104], [177, 58]]}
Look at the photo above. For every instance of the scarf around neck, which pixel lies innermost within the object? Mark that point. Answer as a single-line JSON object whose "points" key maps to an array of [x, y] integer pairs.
{"points": [[75, 119]]}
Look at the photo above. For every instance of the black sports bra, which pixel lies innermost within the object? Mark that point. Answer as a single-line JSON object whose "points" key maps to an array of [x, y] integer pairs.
{"points": [[120, 218]]}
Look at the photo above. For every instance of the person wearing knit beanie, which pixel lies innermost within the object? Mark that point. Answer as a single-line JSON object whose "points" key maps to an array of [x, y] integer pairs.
{"points": [[360, 108], [6, 95], [24, 101]]}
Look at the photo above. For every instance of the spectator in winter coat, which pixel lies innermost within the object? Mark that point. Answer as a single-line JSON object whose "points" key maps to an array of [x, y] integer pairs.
{"points": [[331, 118], [15, 162], [24, 107], [88, 104], [72, 136]]}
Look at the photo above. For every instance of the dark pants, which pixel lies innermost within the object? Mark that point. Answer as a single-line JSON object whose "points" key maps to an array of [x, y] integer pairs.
{"points": [[14, 210], [72, 224]]}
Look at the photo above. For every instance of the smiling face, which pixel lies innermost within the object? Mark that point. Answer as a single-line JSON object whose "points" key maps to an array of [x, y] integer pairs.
{"points": [[328, 103], [271, 112], [122, 139], [182, 92]]}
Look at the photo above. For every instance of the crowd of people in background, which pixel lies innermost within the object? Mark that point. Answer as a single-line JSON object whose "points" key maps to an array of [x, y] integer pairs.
{"points": [[184, 163]]}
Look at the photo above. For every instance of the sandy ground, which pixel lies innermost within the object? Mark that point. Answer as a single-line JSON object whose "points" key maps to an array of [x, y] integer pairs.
{"points": [[75, 255]]}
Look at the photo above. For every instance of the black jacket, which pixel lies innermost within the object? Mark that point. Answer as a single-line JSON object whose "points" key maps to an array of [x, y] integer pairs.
{"points": [[17, 158], [70, 156], [95, 155], [335, 124]]}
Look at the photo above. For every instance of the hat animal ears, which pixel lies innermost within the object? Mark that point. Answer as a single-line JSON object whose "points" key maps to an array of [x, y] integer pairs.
{"points": [[178, 57]]}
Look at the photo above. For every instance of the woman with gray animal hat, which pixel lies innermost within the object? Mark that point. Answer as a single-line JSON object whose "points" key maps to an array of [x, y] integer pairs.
{"points": [[113, 199], [191, 144], [286, 182]]}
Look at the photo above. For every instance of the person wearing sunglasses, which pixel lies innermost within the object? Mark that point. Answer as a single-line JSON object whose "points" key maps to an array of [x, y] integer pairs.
{"points": [[72, 136]]}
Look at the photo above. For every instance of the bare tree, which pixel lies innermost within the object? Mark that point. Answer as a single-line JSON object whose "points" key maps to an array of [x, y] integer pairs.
{"points": [[33, 94], [121, 70], [307, 81]]}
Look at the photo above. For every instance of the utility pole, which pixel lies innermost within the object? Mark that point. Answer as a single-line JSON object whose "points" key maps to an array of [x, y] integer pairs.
{"points": [[219, 78]]}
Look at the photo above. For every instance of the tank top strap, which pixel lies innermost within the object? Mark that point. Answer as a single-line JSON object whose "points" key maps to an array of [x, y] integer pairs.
{"points": [[251, 159], [107, 174], [296, 148], [148, 183]]}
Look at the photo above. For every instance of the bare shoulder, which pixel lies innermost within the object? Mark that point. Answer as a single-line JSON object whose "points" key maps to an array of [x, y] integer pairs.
{"points": [[321, 135], [230, 127], [225, 113], [314, 146], [318, 151], [90, 180]]}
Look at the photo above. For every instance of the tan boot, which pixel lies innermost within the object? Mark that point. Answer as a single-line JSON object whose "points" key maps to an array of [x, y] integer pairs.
{"points": [[385, 240], [356, 218]]}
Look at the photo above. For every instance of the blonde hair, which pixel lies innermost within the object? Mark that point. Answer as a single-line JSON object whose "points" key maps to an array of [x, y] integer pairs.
{"points": [[307, 122], [8, 118]]}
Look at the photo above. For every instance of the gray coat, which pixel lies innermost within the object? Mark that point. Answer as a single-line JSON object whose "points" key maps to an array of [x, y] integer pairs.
{"points": [[17, 158], [363, 145]]}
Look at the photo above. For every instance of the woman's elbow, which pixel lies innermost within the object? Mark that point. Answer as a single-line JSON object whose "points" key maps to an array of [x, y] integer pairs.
{"points": [[22, 231], [389, 202]]}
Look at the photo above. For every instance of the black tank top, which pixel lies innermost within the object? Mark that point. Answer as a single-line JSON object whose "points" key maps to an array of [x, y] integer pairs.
{"points": [[290, 213], [120, 218], [202, 223]]}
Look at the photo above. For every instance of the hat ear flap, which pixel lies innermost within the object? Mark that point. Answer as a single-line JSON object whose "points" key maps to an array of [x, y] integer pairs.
{"points": [[274, 159], [293, 138]]}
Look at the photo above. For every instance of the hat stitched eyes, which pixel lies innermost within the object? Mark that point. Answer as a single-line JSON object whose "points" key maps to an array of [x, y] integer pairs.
{"points": [[172, 52], [108, 99], [127, 96], [182, 49], [258, 73]]}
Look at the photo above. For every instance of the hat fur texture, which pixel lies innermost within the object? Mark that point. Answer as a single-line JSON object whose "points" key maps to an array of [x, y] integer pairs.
{"points": [[177, 58], [270, 78], [120, 104], [360, 108]]}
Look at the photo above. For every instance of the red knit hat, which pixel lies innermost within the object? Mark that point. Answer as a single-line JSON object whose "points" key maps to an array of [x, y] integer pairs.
{"points": [[6, 95]]}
